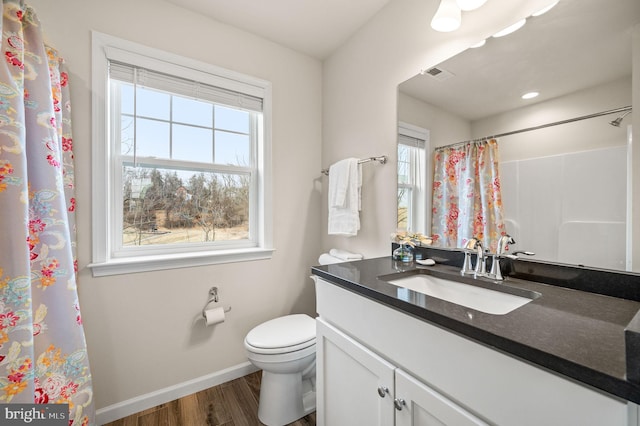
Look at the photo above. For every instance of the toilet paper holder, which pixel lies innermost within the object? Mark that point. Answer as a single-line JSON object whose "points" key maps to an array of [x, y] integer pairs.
{"points": [[213, 298]]}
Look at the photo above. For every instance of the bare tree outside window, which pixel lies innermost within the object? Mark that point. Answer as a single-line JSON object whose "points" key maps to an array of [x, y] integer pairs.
{"points": [[161, 207]]}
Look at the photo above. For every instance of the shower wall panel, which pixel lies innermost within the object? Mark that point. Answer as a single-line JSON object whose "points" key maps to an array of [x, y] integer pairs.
{"points": [[569, 208]]}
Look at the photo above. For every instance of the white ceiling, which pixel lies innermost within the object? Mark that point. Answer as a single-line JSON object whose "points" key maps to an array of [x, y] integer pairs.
{"points": [[577, 45], [312, 27]]}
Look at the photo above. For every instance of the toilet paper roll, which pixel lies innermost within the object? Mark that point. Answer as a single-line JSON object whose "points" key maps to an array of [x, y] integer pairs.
{"points": [[214, 315]]}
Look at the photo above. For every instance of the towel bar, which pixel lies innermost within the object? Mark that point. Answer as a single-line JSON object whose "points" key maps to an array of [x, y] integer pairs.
{"points": [[382, 160]]}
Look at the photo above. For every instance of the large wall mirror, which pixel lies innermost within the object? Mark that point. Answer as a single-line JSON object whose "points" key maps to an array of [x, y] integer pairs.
{"points": [[564, 167]]}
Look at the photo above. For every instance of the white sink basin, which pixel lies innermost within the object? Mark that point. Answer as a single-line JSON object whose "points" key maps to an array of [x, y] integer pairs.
{"points": [[478, 298]]}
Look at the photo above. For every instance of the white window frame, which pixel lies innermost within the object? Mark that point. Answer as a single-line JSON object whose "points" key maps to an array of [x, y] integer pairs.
{"points": [[107, 259], [419, 216]]}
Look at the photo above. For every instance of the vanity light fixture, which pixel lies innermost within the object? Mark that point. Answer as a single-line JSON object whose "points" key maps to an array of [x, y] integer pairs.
{"points": [[530, 95], [510, 29], [467, 5], [448, 17], [478, 44], [546, 9]]}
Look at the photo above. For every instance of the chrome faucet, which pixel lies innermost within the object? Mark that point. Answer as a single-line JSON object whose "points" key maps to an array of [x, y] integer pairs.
{"points": [[481, 261], [528, 253], [503, 242], [495, 273], [466, 264]]}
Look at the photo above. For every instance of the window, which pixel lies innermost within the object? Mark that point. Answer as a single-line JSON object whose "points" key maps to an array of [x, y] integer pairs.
{"points": [[413, 214], [181, 152]]}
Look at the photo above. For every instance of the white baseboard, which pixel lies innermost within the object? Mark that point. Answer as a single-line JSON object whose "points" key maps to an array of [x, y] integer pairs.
{"points": [[162, 396]]}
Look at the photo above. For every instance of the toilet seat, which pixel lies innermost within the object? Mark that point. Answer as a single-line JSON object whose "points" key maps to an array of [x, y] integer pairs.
{"points": [[285, 334]]}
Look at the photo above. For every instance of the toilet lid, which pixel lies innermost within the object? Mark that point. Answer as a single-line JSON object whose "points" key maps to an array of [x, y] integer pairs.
{"points": [[283, 332]]}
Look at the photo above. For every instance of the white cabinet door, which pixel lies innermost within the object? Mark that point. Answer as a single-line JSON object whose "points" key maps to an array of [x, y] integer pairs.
{"points": [[355, 386], [419, 405]]}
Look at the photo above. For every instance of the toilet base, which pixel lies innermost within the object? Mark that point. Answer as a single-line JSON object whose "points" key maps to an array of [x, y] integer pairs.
{"points": [[280, 401]]}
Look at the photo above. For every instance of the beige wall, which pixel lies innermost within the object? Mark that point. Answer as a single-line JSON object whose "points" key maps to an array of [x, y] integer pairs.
{"points": [[444, 127], [140, 327], [579, 136], [360, 93]]}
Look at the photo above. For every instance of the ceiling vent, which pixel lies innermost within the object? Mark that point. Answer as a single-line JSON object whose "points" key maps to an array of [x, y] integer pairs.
{"points": [[439, 73]]}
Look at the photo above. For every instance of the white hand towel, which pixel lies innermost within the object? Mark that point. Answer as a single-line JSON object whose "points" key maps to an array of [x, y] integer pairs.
{"points": [[327, 259], [345, 255], [345, 180], [339, 175]]}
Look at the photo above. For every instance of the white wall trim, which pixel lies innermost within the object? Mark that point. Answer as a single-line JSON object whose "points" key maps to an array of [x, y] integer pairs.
{"points": [[413, 131], [162, 396], [108, 255]]}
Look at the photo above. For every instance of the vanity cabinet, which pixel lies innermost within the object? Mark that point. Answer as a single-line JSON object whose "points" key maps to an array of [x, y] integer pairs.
{"points": [[354, 386], [357, 386], [423, 406], [367, 349]]}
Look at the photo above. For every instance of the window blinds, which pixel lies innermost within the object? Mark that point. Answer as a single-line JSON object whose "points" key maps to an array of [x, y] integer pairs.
{"points": [[411, 141], [144, 77]]}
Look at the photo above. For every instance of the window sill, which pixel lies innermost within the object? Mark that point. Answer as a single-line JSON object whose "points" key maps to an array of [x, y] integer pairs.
{"points": [[132, 265]]}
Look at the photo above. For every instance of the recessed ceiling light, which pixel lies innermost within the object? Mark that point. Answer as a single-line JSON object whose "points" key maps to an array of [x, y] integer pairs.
{"points": [[546, 9], [530, 95], [510, 28], [479, 44]]}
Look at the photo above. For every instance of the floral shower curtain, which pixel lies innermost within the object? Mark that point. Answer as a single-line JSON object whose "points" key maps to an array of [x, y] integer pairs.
{"points": [[467, 202], [43, 357]]}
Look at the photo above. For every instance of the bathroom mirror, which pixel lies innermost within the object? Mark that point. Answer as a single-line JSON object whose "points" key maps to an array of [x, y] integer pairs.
{"points": [[565, 189]]}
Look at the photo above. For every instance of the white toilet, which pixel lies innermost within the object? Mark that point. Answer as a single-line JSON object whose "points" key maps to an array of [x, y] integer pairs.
{"points": [[285, 349]]}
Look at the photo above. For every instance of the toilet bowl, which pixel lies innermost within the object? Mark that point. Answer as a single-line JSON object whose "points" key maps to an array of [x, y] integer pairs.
{"points": [[284, 349]]}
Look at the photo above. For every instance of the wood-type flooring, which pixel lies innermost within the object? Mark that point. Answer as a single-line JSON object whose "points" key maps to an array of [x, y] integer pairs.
{"points": [[234, 403]]}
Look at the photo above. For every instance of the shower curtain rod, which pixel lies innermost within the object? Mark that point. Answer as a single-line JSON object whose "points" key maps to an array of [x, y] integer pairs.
{"points": [[542, 126]]}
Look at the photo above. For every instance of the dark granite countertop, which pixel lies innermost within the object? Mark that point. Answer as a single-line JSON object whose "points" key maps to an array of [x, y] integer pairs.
{"points": [[578, 334]]}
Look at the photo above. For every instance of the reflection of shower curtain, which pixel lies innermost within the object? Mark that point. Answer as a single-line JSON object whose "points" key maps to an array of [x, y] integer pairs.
{"points": [[466, 195], [43, 356]]}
